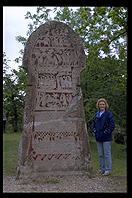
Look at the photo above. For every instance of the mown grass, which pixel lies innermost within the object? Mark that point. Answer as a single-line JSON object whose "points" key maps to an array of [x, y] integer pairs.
{"points": [[10, 153], [10, 156], [119, 158]]}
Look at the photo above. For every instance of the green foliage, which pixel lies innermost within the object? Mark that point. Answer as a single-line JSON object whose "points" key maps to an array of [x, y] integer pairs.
{"points": [[42, 15], [21, 39], [103, 31], [14, 87], [108, 80]]}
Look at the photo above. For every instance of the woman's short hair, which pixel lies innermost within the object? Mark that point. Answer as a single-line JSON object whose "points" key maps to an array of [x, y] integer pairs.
{"points": [[102, 100]]}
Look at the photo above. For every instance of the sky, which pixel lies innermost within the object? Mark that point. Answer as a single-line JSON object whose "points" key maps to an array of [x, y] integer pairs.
{"points": [[14, 24]]}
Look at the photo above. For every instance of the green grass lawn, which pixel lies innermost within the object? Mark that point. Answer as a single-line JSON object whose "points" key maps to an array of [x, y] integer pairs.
{"points": [[119, 158], [10, 155]]}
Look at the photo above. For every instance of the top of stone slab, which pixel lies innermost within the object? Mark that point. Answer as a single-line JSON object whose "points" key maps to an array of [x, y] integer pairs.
{"points": [[55, 35]]}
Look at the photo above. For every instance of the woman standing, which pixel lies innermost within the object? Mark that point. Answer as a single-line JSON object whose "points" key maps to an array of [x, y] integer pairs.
{"points": [[103, 125]]}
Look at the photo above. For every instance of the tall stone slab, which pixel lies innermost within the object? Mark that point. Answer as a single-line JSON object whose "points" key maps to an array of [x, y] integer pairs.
{"points": [[54, 138]]}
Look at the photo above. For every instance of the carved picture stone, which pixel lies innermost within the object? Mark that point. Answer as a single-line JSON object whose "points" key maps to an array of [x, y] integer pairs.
{"points": [[54, 138]]}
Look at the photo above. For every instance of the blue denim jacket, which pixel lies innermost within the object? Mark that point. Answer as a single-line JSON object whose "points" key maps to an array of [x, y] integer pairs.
{"points": [[103, 126]]}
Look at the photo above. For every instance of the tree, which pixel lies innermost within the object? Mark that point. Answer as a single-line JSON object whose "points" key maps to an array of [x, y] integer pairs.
{"points": [[104, 35], [13, 95], [105, 80]]}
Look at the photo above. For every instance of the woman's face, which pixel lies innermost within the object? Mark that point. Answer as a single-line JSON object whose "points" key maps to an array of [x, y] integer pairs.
{"points": [[102, 106]]}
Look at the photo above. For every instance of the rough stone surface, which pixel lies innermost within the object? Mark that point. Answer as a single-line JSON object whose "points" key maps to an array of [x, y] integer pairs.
{"points": [[54, 138], [66, 184]]}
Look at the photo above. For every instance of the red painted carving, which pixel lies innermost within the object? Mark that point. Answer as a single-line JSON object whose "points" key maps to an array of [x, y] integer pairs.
{"points": [[53, 113], [52, 136]]}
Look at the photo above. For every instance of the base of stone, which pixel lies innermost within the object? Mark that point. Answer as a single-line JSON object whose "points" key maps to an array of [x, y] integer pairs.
{"points": [[40, 175], [61, 173]]}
